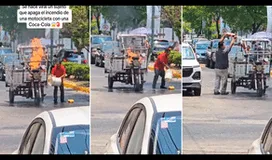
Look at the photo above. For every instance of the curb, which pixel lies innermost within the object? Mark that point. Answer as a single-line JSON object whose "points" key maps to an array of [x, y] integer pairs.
{"points": [[176, 74], [72, 85]]}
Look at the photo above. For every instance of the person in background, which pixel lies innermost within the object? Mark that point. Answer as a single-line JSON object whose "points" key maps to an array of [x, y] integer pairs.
{"points": [[160, 63], [222, 64], [59, 71]]}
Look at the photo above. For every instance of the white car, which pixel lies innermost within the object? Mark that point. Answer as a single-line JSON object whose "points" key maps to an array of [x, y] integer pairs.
{"points": [[151, 126], [191, 70], [263, 145], [59, 131]]}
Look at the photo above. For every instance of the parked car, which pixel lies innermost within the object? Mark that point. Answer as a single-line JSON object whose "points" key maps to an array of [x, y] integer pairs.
{"points": [[191, 70], [201, 50], [59, 131], [7, 59], [107, 48], [151, 126], [159, 45], [263, 145], [210, 59], [197, 40], [5, 50], [73, 57], [96, 42]]}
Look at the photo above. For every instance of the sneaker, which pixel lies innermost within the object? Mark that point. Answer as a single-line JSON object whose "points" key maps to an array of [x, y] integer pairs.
{"points": [[216, 93], [62, 101], [224, 93], [163, 87], [55, 102]]}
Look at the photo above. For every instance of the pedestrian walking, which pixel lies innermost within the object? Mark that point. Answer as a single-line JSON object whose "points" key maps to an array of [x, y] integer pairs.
{"points": [[59, 71], [222, 64], [160, 64]]}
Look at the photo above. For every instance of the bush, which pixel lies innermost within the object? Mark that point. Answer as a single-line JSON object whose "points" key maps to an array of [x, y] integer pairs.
{"points": [[80, 71], [174, 57]]}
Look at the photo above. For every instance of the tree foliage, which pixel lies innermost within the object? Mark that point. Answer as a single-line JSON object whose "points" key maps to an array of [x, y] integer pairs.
{"points": [[8, 19], [246, 18], [172, 15], [78, 30], [239, 18], [125, 16]]}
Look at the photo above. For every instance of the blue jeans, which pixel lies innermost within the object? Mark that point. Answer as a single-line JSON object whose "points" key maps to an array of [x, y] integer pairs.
{"points": [[156, 76]]}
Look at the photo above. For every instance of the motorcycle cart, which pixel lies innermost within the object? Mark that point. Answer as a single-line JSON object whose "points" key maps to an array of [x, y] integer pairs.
{"points": [[252, 69]]}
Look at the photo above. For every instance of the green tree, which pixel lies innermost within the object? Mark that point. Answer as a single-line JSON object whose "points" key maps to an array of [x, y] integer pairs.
{"points": [[246, 18], [125, 16], [194, 15], [78, 30], [8, 19], [96, 12], [172, 15]]}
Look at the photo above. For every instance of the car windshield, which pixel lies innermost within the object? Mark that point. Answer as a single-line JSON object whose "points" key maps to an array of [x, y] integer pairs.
{"points": [[99, 40], [227, 42], [168, 134], [5, 51], [10, 58], [71, 140], [234, 50], [215, 44], [202, 46], [187, 53], [162, 43], [108, 46]]}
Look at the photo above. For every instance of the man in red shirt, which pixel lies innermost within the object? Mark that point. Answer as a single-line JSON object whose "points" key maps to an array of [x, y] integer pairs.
{"points": [[59, 71], [160, 63]]}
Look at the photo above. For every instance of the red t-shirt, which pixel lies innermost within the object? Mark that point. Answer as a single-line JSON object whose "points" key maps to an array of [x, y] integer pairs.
{"points": [[58, 71], [163, 57]]}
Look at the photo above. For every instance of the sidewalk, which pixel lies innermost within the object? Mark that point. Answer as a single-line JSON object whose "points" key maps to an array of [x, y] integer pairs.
{"points": [[77, 86], [176, 72]]}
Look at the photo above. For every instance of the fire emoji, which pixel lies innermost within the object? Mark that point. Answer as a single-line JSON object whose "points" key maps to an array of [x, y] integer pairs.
{"points": [[37, 53]]}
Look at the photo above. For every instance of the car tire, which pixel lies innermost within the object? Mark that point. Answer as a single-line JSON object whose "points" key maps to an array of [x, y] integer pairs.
{"points": [[2, 77], [96, 62], [207, 62], [92, 60], [197, 91]]}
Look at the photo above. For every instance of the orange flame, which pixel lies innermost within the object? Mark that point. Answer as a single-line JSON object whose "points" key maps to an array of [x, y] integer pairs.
{"points": [[37, 53]]}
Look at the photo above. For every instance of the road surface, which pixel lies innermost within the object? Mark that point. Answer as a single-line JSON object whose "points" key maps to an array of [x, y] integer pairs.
{"points": [[15, 118], [109, 108], [216, 124]]}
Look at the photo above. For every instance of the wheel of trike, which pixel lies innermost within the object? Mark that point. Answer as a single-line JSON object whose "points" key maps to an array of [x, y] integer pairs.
{"points": [[110, 81], [96, 62], [207, 62], [197, 91], [11, 95], [260, 90], [137, 84], [42, 93], [233, 86], [37, 98]]}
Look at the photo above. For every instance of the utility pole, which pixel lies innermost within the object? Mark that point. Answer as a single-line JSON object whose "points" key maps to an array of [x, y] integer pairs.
{"points": [[51, 46], [152, 30]]}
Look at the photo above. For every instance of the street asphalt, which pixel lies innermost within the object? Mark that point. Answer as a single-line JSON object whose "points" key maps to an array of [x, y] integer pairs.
{"points": [[216, 124], [15, 118], [108, 108]]}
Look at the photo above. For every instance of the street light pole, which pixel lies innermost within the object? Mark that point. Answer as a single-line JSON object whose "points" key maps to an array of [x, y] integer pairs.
{"points": [[152, 31]]}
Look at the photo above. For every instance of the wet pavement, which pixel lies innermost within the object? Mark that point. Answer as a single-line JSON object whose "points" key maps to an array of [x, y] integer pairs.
{"points": [[15, 118], [215, 124], [110, 106]]}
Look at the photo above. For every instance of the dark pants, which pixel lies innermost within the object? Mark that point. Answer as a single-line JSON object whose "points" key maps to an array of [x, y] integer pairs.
{"points": [[156, 76], [61, 93]]}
